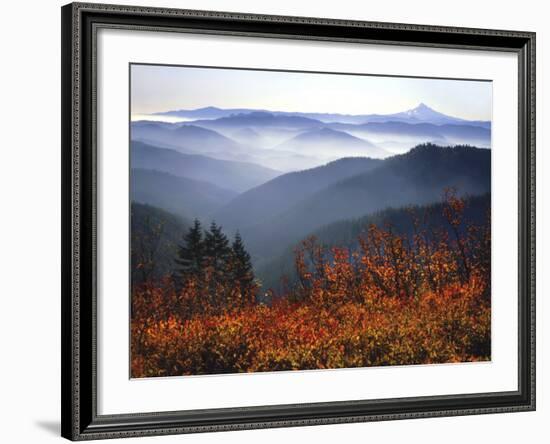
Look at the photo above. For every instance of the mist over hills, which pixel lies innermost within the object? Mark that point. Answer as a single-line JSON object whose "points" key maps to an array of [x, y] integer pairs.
{"points": [[418, 177], [190, 139], [251, 148], [285, 208], [236, 176], [327, 201], [182, 196], [248, 135], [293, 141], [403, 135], [279, 194], [279, 176], [330, 144]]}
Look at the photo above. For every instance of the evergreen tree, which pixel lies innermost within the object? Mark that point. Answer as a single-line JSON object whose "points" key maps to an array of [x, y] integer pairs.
{"points": [[242, 272], [191, 254], [217, 250], [217, 257]]}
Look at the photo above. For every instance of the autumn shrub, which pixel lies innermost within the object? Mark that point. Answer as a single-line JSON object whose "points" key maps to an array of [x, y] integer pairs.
{"points": [[390, 299]]}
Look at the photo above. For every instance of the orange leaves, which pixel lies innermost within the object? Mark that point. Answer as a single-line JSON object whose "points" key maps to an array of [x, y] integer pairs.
{"points": [[452, 326], [391, 300], [454, 207]]}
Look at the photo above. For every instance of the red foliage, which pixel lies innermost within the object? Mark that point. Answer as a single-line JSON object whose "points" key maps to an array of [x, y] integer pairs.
{"points": [[392, 301]]}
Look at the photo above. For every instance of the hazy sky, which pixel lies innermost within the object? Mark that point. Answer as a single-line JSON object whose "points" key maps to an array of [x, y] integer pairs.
{"points": [[164, 88]]}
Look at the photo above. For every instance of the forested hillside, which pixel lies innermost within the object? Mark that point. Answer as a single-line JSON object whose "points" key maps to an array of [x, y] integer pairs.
{"points": [[416, 178], [155, 235], [345, 233], [396, 300]]}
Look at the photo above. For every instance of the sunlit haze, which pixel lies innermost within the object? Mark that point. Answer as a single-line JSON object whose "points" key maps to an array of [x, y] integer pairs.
{"points": [[165, 88]]}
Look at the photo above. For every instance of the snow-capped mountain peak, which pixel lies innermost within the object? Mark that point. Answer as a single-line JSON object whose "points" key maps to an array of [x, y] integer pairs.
{"points": [[423, 113]]}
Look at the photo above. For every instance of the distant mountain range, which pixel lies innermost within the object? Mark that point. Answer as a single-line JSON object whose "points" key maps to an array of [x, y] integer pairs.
{"points": [[424, 114], [401, 133], [294, 141], [421, 113], [261, 119]]}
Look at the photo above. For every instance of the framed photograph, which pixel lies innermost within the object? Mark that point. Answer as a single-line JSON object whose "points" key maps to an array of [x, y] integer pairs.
{"points": [[282, 221]]}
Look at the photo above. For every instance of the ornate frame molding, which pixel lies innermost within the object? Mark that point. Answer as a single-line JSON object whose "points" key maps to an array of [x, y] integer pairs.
{"points": [[80, 22]]}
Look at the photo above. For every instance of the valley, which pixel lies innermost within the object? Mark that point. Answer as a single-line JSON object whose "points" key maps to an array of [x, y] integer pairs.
{"points": [[278, 177]]}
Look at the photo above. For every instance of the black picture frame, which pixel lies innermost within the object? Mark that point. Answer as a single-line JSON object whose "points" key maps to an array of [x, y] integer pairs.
{"points": [[80, 420]]}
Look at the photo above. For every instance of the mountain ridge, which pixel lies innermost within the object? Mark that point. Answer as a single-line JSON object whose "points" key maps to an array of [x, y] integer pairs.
{"points": [[417, 177], [330, 144], [417, 113], [185, 197], [345, 232], [238, 176], [288, 189]]}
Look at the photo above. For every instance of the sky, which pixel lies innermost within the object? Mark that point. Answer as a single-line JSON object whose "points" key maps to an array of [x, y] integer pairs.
{"points": [[157, 88]]}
